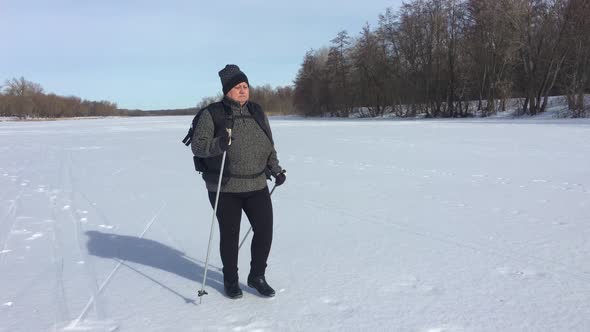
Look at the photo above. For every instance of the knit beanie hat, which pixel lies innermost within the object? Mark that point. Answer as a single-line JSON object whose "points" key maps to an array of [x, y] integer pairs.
{"points": [[231, 76]]}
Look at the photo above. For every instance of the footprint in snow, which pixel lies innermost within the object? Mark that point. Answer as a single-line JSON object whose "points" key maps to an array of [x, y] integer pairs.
{"points": [[20, 232], [46, 221], [34, 237], [335, 303], [519, 273], [252, 326], [443, 329], [410, 283]]}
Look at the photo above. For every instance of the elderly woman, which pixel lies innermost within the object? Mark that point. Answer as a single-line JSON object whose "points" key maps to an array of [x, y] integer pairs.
{"points": [[241, 129]]}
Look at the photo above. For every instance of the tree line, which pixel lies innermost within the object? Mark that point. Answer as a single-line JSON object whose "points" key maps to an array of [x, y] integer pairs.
{"points": [[25, 99], [453, 58]]}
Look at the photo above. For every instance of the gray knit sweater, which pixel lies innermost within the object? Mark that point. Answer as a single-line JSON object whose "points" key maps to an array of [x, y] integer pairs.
{"points": [[250, 152]]}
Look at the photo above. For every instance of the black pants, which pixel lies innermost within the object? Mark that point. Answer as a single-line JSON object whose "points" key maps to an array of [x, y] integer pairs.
{"points": [[258, 208]]}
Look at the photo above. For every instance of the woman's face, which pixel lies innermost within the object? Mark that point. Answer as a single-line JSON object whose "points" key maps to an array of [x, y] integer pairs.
{"points": [[240, 93]]}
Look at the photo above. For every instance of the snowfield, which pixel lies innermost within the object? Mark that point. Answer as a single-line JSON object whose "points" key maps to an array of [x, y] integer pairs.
{"points": [[382, 225]]}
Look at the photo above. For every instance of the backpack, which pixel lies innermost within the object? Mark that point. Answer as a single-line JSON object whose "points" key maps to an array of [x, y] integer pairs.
{"points": [[222, 119]]}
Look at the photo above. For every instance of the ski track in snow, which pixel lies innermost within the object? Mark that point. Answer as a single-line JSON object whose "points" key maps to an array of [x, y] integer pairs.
{"points": [[71, 189], [28, 235], [10, 219], [94, 298], [62, 203]]}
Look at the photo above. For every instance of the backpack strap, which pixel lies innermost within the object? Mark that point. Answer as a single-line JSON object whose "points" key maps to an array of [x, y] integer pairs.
{"points": [[222, 118], [189, 136], [258, 115]]}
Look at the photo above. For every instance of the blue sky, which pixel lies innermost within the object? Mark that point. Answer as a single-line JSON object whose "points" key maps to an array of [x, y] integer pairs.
{"points": [[166, 54]]}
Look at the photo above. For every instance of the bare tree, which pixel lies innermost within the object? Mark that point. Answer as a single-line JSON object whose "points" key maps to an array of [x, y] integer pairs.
{"points": [[492, 45], [337, 75], [575, 80], [370, 70], [542, 30], [209, 100], [308, 99], [21, 87]]}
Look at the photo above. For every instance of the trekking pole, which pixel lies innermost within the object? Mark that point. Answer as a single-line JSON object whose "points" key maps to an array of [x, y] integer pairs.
{"points": [[202, 291], [250, 229]]}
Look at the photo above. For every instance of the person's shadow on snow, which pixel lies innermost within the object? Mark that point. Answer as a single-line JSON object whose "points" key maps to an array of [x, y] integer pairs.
{"points": [[151, 253]]}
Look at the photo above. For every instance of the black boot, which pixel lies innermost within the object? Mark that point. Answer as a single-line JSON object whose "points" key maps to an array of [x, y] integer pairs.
{"points": [[232, 290], [259, 283]]}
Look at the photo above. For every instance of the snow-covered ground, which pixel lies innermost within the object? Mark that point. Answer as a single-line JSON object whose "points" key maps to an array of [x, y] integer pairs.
{"points": [[461, 225]]}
